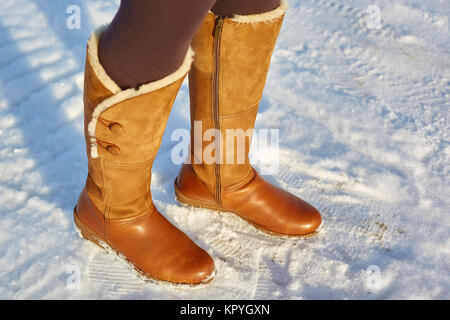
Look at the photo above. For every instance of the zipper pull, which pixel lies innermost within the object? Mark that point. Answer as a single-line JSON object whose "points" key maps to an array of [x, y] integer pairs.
{"points": [[218, 27]]}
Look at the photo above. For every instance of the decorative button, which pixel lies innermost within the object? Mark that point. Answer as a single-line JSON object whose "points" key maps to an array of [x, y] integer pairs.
{"points": [[115, 151], [115, 128]]}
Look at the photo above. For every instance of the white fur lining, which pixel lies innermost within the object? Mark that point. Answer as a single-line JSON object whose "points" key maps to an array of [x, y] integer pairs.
{"points": [[262, 17], [119, 94], [95, 63]]}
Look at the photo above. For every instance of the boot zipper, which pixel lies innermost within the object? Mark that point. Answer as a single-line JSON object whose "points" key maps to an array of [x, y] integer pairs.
{"points": [[217, 35]]}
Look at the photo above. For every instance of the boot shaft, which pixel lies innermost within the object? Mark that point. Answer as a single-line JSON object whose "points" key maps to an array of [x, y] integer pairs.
{"points": [[226, 83], [123, 131]]}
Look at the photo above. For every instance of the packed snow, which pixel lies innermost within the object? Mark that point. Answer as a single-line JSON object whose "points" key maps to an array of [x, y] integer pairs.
{"points": [[362, 104]]}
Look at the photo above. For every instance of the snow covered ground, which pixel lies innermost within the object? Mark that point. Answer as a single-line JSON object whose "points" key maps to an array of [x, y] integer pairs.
{"points": [[363, 115]]}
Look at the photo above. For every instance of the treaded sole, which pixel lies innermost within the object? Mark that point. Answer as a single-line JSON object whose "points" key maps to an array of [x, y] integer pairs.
{"points": [[88, 234], [182, 199]]}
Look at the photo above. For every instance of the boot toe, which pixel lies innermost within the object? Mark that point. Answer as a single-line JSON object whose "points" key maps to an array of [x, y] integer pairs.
{"points": [[304, 218], [310, 222], [204, 272], [199, 269]]}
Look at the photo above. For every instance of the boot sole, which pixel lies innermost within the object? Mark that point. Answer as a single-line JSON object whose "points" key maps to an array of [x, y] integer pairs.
{"points": [[87, 233], [183, 200]]}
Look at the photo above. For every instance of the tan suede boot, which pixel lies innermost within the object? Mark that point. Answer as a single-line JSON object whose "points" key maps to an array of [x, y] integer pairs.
{"points": [[226, 84], [123, 130]]}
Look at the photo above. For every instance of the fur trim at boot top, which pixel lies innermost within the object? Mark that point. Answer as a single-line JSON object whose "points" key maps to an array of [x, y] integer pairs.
{"points": [[262, 17], [119, 94]]}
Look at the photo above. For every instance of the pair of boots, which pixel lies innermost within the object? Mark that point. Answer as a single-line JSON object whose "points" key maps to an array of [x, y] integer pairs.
{"points": [[124, 128]]}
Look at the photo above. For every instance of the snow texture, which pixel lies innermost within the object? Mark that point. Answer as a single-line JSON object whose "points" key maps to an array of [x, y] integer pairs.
{"points": [[363, 115]]}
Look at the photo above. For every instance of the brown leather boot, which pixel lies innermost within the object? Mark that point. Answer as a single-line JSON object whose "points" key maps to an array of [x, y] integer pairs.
{"points": [[123, 130], [226, 84]]}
